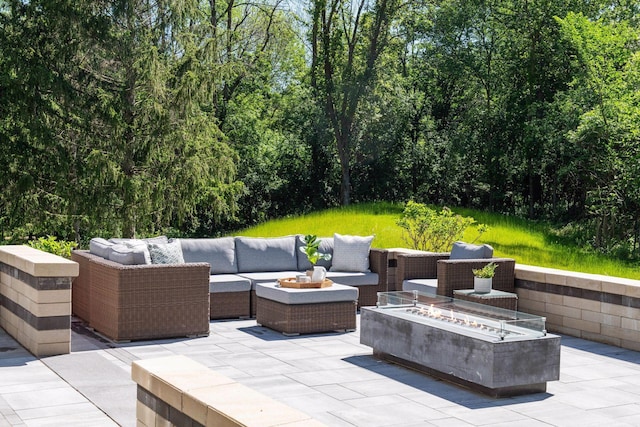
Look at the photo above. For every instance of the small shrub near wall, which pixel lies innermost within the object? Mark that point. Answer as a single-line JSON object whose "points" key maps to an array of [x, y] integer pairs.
{"points": [[52, 245]]}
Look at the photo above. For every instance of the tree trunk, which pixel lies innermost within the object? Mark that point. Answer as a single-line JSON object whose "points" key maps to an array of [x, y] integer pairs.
{"points": [[345, 162]]}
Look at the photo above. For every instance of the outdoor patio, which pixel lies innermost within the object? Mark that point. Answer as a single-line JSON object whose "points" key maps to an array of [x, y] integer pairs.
{"points": [[328, 376]]}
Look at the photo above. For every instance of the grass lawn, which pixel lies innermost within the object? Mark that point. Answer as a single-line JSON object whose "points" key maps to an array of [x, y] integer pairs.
{"points": [[526, 242]]}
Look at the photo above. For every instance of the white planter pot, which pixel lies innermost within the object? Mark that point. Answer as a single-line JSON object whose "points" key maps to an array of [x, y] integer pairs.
{"points": [[482, 285]]}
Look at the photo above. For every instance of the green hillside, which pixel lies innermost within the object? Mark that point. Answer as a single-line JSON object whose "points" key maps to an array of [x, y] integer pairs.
{"points": [[526, 242]]}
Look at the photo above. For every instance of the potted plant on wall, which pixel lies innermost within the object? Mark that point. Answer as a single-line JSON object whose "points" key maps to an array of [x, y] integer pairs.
{"points": [[483, 278], [312, 251]]}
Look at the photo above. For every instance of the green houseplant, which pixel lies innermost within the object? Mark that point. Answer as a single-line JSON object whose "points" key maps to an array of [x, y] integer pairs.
{"points": [[312, 249], [483, 278]]}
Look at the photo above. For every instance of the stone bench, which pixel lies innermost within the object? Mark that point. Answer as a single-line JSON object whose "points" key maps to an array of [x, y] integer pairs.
{"points": [[176, 390]]}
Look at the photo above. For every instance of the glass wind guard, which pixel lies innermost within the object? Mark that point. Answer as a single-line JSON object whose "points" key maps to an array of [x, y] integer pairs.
{"points": [[471, 317]]}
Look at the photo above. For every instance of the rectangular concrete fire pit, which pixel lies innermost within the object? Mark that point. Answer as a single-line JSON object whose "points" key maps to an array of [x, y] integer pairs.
{"points": [[495, 351]]}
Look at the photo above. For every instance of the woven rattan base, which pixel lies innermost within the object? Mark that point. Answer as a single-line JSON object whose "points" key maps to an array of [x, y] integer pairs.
{"points": [[368, 296], [254, 299], [293, 319], [229, 305]]}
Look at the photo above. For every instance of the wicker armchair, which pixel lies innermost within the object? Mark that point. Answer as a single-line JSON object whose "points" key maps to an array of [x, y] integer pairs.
{"points": [[134, 302], [452, 274]]}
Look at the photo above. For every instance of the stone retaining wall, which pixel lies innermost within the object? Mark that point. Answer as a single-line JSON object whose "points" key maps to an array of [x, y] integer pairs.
{"points": [[35, 299], [177, 391], [594, 307]]}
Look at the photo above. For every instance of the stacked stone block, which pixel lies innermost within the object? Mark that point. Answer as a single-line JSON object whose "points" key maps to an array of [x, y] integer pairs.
{"points": [[35, 299]]}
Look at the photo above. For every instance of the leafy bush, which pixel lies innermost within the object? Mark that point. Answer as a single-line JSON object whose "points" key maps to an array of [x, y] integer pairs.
{"points": [[52, 245], [429, 230]]}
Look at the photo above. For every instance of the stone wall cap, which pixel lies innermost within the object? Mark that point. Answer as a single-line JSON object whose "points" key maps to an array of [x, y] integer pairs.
{"points": [[37, 263]]}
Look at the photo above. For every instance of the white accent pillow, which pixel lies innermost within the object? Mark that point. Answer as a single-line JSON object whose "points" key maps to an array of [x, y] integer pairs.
{"points": [[351, 253], [169, 253]]}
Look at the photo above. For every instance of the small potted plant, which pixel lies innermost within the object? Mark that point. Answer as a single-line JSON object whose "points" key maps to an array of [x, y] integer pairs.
{"points": [[312, 251], [483, 278]]}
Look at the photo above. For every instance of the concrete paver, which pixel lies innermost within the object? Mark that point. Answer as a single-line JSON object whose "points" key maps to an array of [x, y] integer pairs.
{"points": [[329, 376]]}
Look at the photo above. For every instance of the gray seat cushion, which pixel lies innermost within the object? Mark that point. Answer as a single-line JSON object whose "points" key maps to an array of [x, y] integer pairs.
{"points": [[462, 250], [228, 283], [335, 293], [353, 279], [425, 286], [266, 254], [220, 253], [267, 276]]}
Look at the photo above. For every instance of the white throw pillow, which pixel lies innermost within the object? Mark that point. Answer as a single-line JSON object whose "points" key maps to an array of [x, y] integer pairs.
{"points": [[169, 253], [351, 253]]}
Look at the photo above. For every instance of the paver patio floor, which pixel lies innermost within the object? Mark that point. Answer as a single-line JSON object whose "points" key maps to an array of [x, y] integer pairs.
{"points": [[329, 376]]}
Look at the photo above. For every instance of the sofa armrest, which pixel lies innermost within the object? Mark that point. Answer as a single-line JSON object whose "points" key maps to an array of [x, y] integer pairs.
{"points": [[457, 274], [81, 287], [368, 295], [418, 266], [378, 263]]}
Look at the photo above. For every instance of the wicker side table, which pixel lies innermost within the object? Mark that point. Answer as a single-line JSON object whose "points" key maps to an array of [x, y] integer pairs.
{"points": [[494, 298], [303, 311]]}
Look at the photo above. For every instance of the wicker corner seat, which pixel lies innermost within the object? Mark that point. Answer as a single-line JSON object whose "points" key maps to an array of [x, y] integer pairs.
{"points": [[134, 302], [446, 273]]}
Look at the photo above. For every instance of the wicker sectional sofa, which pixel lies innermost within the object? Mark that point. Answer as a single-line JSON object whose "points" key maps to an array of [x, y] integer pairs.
{"points": [[124, 297]]}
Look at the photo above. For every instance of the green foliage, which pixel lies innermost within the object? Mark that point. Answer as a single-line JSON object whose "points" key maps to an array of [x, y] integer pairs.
{"points": [[131, 117], [608, 131], [427, 229], [347, 38], [52, 245], [486, 272], [311, 249], [107, 119]]}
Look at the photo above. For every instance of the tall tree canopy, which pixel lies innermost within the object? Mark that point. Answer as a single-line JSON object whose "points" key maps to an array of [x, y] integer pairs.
{"points": [[347, 39], [108, 108], [198, 117]]}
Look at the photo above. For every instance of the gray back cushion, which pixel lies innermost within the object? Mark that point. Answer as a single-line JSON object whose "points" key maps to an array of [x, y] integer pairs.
{"points": [[130, 254], [101, 247], [461, 250], [158, 239], [220, 253], [140, 245], [266, 254], [326, 247]]}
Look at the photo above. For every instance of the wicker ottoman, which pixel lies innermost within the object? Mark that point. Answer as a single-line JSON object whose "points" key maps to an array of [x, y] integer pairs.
{"points": [[303, 311], [229, 296], [494, 298]]}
